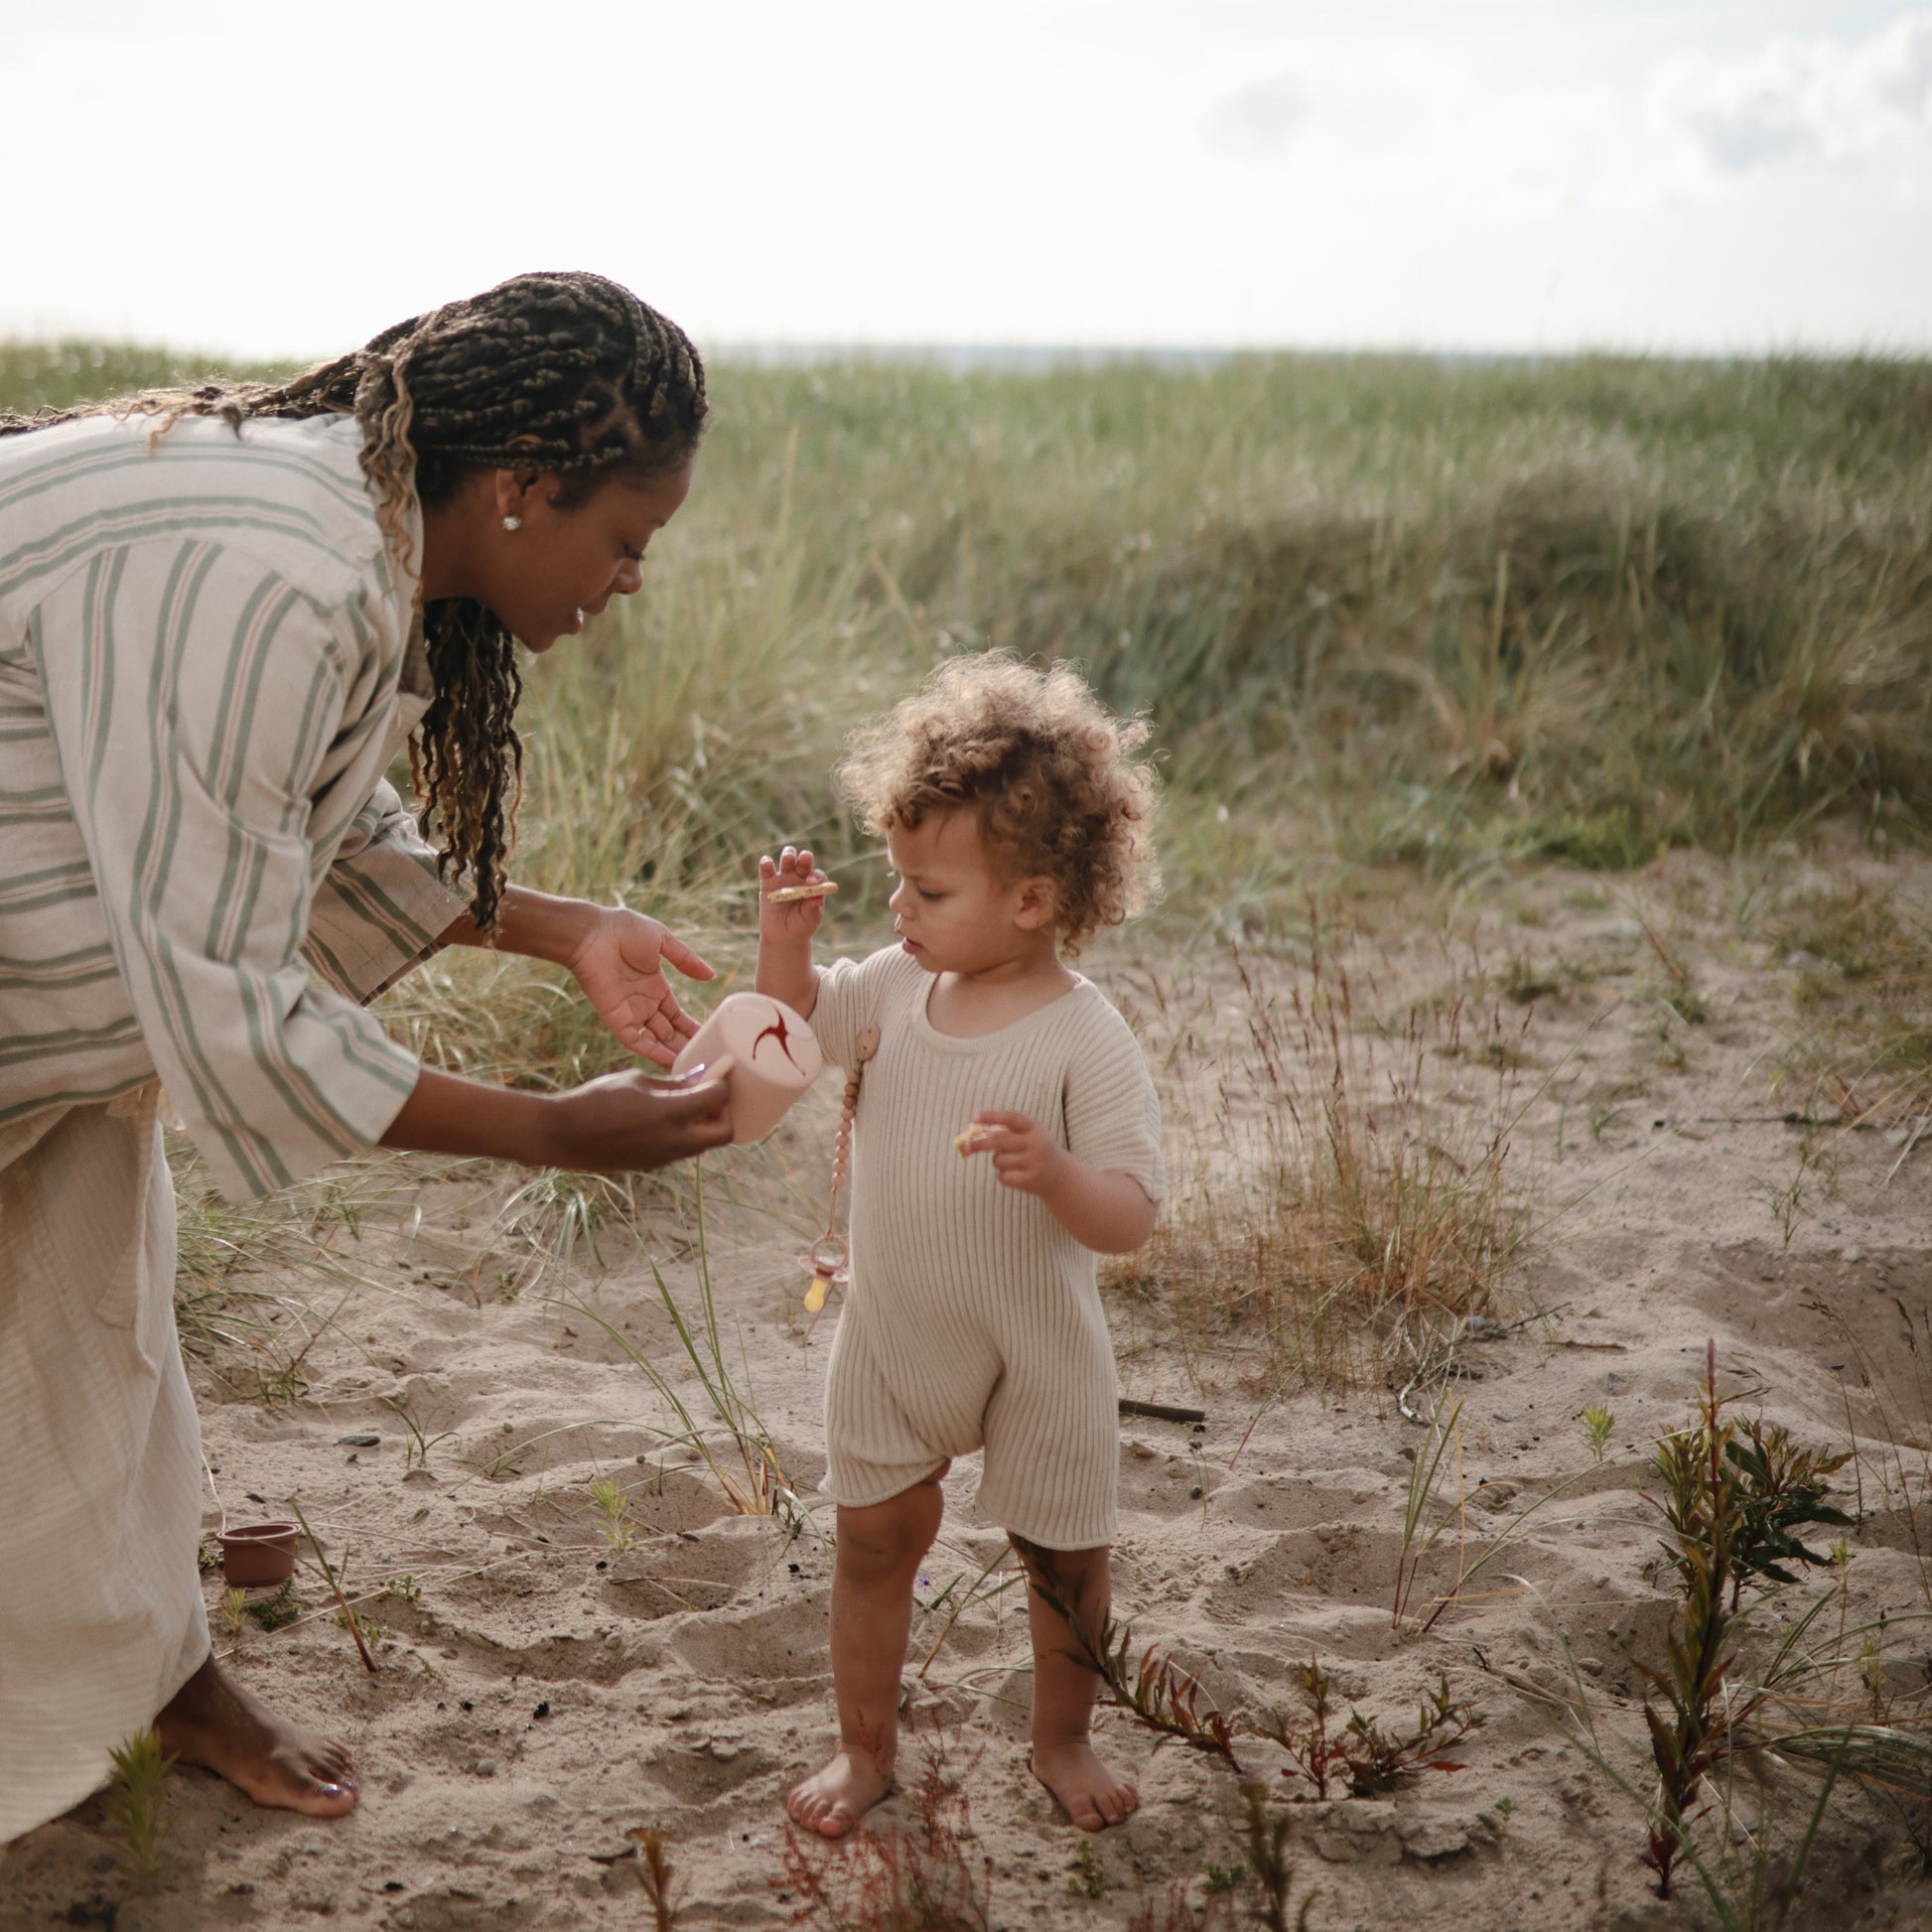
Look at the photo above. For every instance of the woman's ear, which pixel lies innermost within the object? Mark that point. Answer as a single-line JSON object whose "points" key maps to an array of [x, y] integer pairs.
{"points": [[513, 492], [1039, 905]]}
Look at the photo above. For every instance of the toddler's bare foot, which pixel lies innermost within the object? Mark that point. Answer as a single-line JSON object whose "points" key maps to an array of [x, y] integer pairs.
{"points": [[832, 1800], [1092, 1795], [212, 1721]]}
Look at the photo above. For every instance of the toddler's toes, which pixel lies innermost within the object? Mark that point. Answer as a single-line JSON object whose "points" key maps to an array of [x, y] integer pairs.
{"points": [[1092, 1794], [832, 1800]]}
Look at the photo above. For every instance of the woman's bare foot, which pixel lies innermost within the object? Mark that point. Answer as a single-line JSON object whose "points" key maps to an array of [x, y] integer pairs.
{"points": [[833, 1799], [212, 1721], [1090, 1793]]}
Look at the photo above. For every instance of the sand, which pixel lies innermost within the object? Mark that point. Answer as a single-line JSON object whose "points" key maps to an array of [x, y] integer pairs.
{"points": [[541, 1692]]}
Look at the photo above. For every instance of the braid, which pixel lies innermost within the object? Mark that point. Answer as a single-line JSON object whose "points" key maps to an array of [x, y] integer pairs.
{"points": [[468, 753], [554, 372]]}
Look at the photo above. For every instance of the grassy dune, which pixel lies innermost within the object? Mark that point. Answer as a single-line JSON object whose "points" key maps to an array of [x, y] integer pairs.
{"points": [[1381, 610]]}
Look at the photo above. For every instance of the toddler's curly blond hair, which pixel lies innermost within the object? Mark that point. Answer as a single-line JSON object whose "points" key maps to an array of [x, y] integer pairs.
{"points": [[1049, 771]]}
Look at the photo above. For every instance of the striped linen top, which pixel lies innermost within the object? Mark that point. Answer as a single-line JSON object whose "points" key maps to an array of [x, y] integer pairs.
{"points": [[207, 658]]}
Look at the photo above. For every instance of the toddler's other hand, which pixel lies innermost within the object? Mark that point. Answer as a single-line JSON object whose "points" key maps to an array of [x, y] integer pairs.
{"points": [[796, 919], [1026, 1157]]}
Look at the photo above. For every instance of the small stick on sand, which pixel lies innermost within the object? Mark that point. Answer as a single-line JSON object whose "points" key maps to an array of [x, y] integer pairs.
{"points": [[1161, 1411], [791, 895]]}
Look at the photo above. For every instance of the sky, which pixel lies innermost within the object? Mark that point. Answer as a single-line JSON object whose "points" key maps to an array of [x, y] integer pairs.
{"points": [[1666, 176]]}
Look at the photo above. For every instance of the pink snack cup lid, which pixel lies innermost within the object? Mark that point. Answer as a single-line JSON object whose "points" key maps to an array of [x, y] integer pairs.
{"points": [[773, 1058]]}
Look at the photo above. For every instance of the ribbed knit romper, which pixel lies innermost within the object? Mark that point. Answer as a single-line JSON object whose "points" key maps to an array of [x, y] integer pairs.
{"points": [[973, 1318]]}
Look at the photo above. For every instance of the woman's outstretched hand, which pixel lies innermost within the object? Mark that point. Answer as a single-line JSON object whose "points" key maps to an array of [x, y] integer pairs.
{"points": [[619, 963], [624, 1123], [616, 956]]}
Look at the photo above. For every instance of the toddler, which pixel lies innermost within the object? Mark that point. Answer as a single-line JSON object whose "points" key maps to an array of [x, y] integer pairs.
{"points": [[1007, 1130]]}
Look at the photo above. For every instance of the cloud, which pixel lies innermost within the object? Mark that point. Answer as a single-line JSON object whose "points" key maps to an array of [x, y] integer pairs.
{"points": [[1261, 118], [1845, 102]]}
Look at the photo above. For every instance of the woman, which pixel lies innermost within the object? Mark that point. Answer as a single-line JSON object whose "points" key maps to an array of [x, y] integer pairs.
{"points": [[223, 612]]}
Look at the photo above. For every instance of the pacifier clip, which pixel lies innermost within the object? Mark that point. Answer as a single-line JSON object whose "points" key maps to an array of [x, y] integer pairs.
{"points": [[826, 1260]]}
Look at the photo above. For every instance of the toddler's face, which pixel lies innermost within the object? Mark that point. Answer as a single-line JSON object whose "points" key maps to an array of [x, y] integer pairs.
{"points": [[951, 908]]}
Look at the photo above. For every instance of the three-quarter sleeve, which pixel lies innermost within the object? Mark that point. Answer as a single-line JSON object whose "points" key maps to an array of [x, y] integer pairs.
{"points": [[1113, 1114], [381, 907], [196, 702]]}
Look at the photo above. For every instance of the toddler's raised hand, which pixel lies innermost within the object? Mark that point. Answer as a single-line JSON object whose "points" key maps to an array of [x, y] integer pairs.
{"points": [[1026, 1157], [782, 918]]}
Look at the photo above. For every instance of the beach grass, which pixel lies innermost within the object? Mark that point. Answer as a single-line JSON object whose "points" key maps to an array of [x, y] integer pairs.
{"points": [[1394, 609], [1394, 621]]}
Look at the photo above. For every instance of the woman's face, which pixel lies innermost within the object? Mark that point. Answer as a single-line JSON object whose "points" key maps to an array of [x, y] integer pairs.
{"points": [[559, 567]]}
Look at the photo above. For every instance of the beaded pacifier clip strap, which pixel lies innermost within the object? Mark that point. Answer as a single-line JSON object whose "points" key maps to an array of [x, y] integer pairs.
{"points": [[826, 1260]]}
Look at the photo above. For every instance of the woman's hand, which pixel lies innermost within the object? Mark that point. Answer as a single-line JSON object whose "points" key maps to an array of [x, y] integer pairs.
{"points": [[624, 1123], [619, 961]]}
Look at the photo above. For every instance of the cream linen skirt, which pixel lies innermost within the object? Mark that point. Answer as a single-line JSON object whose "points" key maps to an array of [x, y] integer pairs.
{"points": [[101, 1618]]}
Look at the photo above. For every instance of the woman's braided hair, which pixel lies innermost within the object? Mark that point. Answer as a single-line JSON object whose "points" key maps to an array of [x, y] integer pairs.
{"points": [[554, 372]]}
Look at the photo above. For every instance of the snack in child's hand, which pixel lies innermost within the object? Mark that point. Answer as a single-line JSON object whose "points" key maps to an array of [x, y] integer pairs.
{"points": [[966, 1143], [791, 895]]}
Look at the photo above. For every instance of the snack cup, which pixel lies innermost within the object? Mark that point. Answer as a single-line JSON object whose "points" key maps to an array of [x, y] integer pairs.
{"points": [[768, 1054]]}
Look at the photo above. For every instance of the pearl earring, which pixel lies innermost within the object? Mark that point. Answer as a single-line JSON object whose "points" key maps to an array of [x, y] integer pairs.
{"points": [[513, 523]]}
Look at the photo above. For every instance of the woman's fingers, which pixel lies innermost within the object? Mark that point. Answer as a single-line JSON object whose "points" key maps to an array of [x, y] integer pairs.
{"points": [[689, 963]]}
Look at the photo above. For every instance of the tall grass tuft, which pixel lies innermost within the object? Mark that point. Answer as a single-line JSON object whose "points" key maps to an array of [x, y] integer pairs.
{"points": [[735, 1447], [258, 1283], [1327, 1211]]}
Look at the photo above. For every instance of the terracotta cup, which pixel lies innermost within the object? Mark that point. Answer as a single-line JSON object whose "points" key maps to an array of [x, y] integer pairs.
{"points": [[769, 1056], [259, 1553]]}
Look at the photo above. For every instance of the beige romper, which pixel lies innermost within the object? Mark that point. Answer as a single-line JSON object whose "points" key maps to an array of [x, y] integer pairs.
{"points": [[973, 1318]]}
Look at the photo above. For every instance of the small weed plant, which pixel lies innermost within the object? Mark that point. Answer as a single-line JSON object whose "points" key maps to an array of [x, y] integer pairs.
{"points": [[613, 1507], [277, 1611], [663, 1888], [418, 1441], [138, 1802], [1086, 1876], [1265, 1831], [1359, 1754], [1740, 1704], [366, 1634], [1705, 1508], [1426, 1516], [1361, 1757]]}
